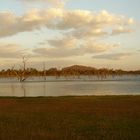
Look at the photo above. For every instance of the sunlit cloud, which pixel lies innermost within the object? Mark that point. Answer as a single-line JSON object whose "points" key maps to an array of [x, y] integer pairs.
{"points": [[77, 23], [121, 30], [75, 33], [55, 48], [112, 56], [69, 47], [53, 3], [11, 50]]}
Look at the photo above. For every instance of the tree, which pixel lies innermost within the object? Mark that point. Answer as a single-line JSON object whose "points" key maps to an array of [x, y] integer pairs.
{"points": [[44, 71], [21, 74]]}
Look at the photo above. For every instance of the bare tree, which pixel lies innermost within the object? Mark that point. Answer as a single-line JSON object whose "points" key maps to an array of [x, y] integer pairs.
{"points": [[21, 74], [44, 71]]}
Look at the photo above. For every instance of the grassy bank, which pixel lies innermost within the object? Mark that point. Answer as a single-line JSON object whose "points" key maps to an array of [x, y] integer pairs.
{"points": [[70, 118]]}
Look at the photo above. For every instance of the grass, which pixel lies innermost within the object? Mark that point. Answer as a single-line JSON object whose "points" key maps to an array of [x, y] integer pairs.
{"points": [[70, 118]]}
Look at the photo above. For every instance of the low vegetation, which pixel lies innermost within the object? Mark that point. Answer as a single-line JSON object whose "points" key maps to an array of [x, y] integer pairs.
{"points": [[70, 118]]}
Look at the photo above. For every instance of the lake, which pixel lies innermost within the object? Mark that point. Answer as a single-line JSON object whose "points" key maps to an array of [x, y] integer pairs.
{"points": [[34, 87]]}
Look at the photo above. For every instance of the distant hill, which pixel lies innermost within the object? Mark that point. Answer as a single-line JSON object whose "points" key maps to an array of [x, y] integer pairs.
{"points": [[78, 68]]}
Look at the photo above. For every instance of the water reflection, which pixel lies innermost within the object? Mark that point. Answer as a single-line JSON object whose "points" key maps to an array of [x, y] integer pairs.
{"points": [[29, 89]]}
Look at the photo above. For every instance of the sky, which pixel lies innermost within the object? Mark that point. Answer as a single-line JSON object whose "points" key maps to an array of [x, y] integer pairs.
{"points": [[59, 33]]}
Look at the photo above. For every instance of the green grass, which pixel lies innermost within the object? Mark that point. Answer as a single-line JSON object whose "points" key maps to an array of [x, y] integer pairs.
{"points": [[70, 118]]}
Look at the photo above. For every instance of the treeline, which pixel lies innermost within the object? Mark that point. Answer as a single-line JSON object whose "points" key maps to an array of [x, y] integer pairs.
{"points": [[75, 70]]}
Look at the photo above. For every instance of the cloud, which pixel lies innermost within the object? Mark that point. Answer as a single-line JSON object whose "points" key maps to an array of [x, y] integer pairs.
{"points": [[69, 47], [121, 30], [76, 23], [11, 51], [79, 29], [112, 56], [64, 42], [87, 32], [54, 3], [55, 48]]}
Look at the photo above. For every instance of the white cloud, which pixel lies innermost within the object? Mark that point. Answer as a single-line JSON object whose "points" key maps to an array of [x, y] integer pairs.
{"points": [[112, 56], [77, 23], [121, 30], [80, 30], [64, 42], [71, 47], [11, 51], [54, 3]]}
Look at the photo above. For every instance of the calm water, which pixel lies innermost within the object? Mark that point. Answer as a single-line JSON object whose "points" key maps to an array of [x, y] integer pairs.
{"points": [[120, 86]]}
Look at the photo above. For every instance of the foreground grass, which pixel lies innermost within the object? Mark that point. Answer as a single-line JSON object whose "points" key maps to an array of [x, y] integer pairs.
{"points": [[70, 118]]}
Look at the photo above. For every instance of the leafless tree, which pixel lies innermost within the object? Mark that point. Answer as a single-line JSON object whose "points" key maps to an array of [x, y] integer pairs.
{"points": [[21, 74], [44, 71]]}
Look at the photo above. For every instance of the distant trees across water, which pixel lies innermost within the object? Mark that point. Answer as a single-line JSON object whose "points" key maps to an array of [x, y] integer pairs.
{"points": [[75, 71]]}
